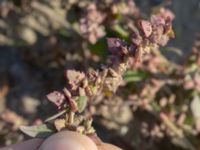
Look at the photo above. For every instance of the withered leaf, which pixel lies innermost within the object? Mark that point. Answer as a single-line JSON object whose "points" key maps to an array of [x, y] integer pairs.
{"points": [[82, 103], [40, 131], [57, 98]]}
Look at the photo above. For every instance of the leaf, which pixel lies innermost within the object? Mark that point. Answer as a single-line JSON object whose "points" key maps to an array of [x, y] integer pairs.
{"points": [[136, 38], [195, 107], [115, 45], [40, 131], [82, 103], [56, 115], [56, 97], [74, 77], [131, 76], [157, 20], [146, 27], [120, 30]]}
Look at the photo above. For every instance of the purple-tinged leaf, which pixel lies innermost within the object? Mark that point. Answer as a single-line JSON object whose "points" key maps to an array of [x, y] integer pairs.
{"points": [[146, 27], [136, 39], [157, 34], [57, 98], [74, 78], [115, 45], [157, 20]]}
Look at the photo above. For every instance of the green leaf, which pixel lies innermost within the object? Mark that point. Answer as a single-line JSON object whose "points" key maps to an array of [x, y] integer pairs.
{"points": [[56, 115], [119, 30], [40, 131], [155, 106], [82, 103], [131, 76]]}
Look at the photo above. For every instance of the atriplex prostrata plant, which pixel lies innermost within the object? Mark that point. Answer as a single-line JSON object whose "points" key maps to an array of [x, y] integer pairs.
{"points": [[84, 88]]}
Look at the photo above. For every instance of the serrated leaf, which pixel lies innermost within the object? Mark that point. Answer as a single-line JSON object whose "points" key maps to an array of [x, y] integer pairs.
{"points": [[82, 103], [40, 131]]}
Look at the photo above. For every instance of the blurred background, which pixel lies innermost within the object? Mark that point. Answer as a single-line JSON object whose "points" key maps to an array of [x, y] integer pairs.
{"points": [[158, 106]]}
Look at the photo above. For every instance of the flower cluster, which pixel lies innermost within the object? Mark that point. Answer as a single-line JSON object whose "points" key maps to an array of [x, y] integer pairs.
{"points": [[152, 34]]}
